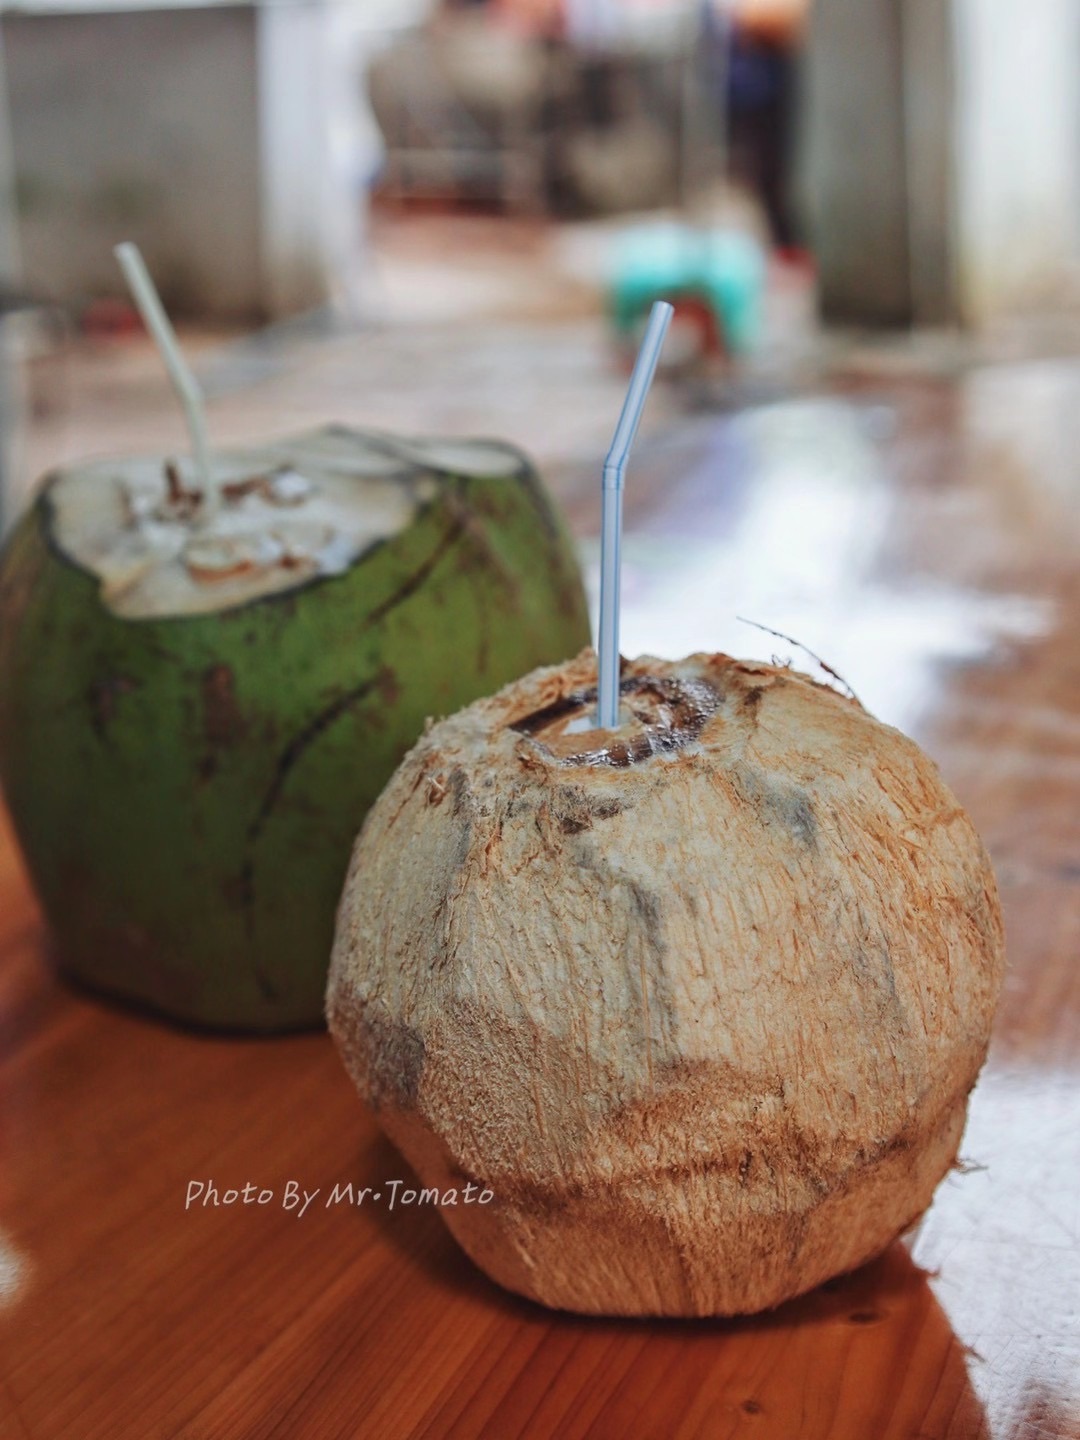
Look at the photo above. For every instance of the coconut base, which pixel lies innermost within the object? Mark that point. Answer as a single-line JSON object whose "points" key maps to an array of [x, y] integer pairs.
{"points": [[718, 1241], [699, 1245]]}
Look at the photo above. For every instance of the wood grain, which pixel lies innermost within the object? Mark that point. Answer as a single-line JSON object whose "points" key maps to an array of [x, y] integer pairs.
{"points": [[123, 1315]]}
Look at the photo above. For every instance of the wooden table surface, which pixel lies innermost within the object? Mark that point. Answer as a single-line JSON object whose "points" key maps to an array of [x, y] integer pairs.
{"points": [[925, 537]]}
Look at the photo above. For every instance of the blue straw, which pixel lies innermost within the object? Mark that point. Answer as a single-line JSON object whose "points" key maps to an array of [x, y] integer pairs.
{"points": [[607, 710]]}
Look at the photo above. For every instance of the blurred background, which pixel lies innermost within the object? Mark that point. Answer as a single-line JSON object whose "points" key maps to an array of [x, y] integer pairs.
{"points": [[451, 216]]}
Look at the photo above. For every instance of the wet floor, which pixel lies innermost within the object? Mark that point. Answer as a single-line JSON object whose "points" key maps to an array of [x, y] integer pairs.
{"points": [[803, 516]]}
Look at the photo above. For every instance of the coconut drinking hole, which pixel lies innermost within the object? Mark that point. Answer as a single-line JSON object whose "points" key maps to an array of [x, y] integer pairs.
{"points": [[659, 715]]}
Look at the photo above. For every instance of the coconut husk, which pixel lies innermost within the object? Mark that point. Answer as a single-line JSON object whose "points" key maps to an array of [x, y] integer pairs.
{"points": [[699, 1000]]}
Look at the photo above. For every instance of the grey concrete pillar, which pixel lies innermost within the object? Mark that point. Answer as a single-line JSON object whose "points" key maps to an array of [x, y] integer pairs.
{"points": [[857, 196]]}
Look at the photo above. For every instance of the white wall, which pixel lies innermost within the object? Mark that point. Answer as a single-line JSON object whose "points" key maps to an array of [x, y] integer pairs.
{"points": [[1017, 152], [231, 141], [143, 126], [320, 148], [944, 156]]}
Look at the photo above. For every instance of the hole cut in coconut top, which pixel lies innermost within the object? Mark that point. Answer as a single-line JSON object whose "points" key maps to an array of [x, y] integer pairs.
{"points": [[285, 513], [659, 715]]}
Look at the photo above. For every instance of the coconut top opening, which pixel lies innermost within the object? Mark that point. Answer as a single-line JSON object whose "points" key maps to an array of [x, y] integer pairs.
{"points": [[284, 513], [659, 715]]}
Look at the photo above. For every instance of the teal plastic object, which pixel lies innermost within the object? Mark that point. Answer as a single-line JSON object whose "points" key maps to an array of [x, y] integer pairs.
{"points": [[721, 272]]}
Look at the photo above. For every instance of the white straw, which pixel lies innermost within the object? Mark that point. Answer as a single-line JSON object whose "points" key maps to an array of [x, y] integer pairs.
{"points": [[186, 386], [607, 710]]}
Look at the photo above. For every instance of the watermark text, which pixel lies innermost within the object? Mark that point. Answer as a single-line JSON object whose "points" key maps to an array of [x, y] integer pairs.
{"points": [[297, 1199]]}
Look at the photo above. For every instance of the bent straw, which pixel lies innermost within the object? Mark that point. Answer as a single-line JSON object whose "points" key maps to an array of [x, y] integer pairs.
{"points": [[186, 386], [611, 517]]}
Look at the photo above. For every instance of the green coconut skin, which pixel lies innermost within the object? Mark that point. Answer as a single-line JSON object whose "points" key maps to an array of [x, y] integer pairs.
{"points": [[186, 791]]}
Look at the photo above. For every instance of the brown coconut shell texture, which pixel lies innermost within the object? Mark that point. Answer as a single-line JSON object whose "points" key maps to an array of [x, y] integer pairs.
{"points": [[700, 1000]]}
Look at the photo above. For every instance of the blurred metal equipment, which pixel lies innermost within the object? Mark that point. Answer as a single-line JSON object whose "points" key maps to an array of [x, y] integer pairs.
{"points": [[464, 108], [586, 115]]}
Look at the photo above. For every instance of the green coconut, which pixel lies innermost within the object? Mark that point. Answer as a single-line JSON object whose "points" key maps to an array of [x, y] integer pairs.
{"points": [[199, 701]]}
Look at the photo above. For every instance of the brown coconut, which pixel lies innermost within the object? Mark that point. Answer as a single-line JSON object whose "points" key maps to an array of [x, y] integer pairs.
{"points": [[700, 1000]]}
